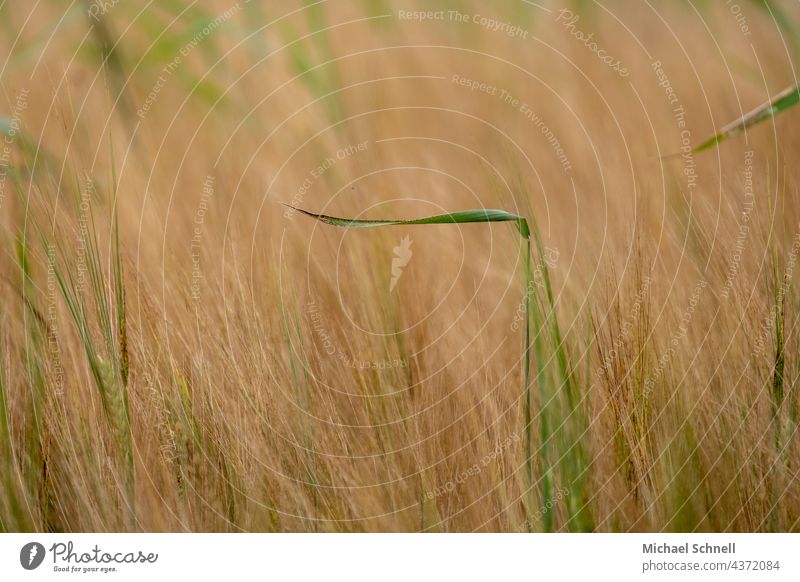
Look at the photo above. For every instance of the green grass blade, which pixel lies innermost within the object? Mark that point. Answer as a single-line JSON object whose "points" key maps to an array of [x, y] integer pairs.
{"points": [[531, 316], [34, 355], [464, 216], [781, 102], [526, 387]]}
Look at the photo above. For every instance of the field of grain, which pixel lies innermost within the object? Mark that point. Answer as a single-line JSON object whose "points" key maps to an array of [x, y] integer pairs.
{"points": [[182, 351]]}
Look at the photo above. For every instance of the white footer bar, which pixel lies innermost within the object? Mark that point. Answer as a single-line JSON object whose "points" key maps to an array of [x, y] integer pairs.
{"points": [[401, 557]]}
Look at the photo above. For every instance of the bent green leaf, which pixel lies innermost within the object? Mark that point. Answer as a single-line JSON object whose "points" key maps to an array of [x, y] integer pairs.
{"points": [[464, 216], [781, 102]]}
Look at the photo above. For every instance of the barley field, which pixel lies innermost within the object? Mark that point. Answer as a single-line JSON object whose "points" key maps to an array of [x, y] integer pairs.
{"points": [[186, 345]]}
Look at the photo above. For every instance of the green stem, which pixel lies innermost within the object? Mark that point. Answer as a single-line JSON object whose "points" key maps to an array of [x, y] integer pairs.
{"points": [[526, 244]]}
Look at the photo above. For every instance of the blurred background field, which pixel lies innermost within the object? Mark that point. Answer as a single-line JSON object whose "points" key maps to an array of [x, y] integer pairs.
{"points": [[181, 352]]}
